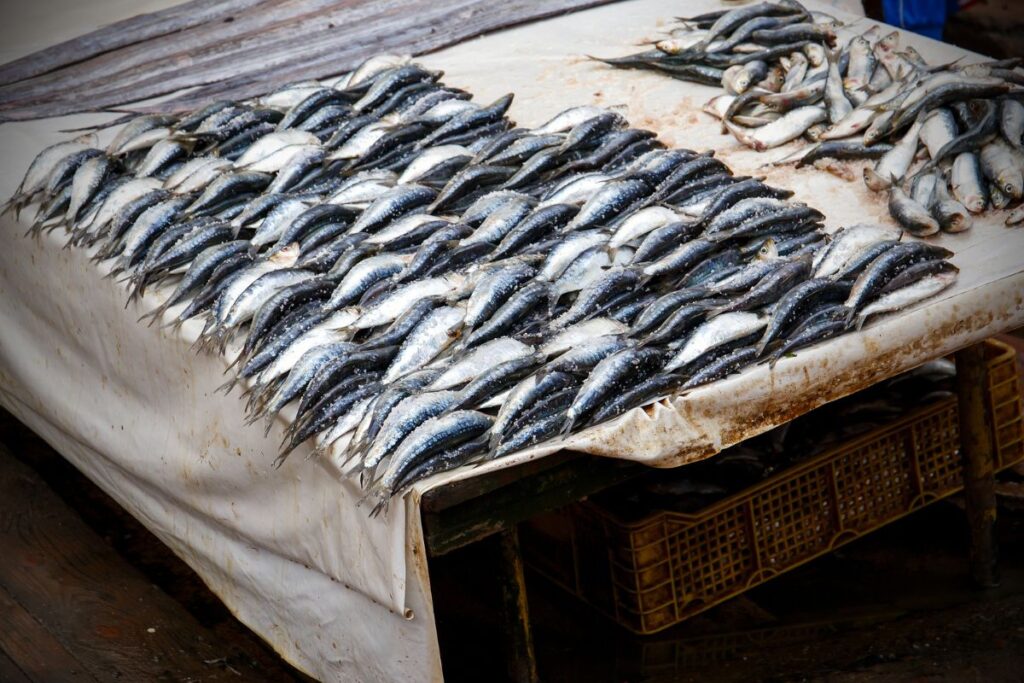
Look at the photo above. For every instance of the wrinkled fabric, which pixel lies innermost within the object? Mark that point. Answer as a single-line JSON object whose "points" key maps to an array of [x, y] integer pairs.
{"points": [[290, 551]]}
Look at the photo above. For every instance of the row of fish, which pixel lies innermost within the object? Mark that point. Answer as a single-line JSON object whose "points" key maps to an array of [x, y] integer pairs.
{"points": [[417, 283], [785, 78]]}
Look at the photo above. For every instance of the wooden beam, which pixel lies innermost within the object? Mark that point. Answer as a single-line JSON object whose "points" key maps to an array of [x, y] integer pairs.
{"points": [[491, 510], [977, 452], [522, 664], [256, 47]]}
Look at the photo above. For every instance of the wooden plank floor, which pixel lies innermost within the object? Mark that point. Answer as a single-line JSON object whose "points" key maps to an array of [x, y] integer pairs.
{"points": [[72, 608]]}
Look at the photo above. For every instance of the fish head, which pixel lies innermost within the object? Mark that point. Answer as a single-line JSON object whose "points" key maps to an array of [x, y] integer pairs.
{"points": [[889, 42], [768, 251]]}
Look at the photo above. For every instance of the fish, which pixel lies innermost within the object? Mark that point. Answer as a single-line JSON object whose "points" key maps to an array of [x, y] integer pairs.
{"points": [[610, 375], [611, 200], [432, 335], [500, 222], [786, 128], [477, 360], [713, 334], [915, 218], [590, 299], [580, 332], [401, 300], [768, 289], [967, 183], [574, 244], [507, 317], [530, 434], [493, 290], [522, 397], [924, 287], [435, 160], [363, 275], [885, 267], [540, 222], [847, 243], [951, 215], [1011, 122], [435, 435], [1002, 167], [894, 164], [796, 303]]}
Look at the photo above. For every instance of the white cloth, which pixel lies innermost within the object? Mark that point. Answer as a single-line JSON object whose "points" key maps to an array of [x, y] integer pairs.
{"points": [[339, 595]]}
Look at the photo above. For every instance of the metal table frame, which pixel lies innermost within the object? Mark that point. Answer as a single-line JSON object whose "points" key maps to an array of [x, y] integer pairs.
{"points": [[471, 510]]}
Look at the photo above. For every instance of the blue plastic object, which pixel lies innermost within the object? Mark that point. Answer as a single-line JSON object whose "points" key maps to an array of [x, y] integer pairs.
{"points": [[927, 17]]}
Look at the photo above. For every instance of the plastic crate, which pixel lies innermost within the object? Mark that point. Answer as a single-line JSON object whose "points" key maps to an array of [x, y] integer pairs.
{"points": [[656, 572]]}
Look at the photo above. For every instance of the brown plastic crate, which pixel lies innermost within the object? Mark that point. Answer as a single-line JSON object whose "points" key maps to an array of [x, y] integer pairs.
{"points": [[656, 572]]}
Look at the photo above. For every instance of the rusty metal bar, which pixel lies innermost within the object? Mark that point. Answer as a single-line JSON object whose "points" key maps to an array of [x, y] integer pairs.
{"points": [[522, 665], [978, 456]]}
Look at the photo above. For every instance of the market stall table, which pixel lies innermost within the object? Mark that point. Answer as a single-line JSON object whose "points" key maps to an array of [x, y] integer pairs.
{"points": [[290, 551]]}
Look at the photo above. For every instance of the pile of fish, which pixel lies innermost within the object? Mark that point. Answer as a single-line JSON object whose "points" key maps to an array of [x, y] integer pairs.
{"points": [[419, 284], [867, 100], [692, 488]]}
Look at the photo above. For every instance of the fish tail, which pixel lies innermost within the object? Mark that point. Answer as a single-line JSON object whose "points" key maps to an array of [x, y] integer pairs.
{"points": [[279, 460], [10, 204], [287, 446], [380, 495], [174, 324], [318, 451], [228, 386], [494, 440], [268, 417], [238, 359], [356, 467], [716, 311], [368, 476], [155, 314], [849, 319], [567, 426], [762, 345]]}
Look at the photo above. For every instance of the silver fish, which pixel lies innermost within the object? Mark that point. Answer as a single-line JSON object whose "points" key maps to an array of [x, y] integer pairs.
{"points": [[910, 214], [478, 360], [788, 127], [967, 182], [714, 333], [1002, 165], [897, 300], [436, 332], [269, 145], [894, 164]]}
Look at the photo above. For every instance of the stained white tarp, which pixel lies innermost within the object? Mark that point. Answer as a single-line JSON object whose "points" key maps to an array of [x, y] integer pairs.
{"points": [[289, 551]]}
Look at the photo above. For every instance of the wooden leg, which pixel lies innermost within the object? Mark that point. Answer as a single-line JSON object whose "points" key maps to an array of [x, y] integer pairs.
{"points": [[522, 667], [977, 451]]}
